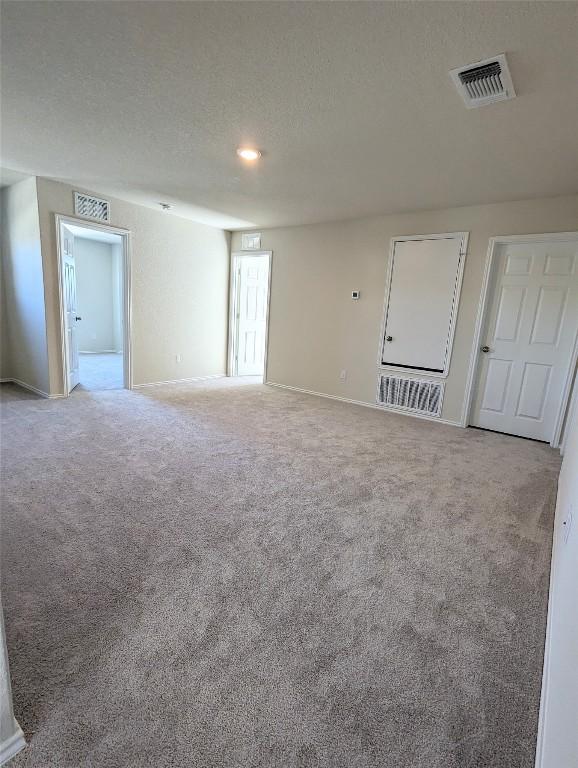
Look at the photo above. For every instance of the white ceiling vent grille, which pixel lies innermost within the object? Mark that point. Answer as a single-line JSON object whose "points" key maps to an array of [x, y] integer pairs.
{"points": [[484, 82], [91, 207], [416, 395]]}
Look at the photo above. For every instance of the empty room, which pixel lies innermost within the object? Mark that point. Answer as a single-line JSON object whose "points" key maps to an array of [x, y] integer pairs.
{"points": [[289, 399]]}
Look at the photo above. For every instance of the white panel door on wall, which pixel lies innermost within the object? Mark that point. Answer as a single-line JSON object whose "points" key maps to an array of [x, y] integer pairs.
{"points": [[421, 302], [252, 297], [71, 317], [529, 338]]}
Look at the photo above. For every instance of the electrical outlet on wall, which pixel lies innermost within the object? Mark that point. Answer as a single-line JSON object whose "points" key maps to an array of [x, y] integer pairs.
{"points": [[179, 358], [343, 375]]}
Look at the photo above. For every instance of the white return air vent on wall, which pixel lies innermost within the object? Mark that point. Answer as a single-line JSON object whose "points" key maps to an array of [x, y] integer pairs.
{"points": [[484, 82], [91, 207], [415, 395]]}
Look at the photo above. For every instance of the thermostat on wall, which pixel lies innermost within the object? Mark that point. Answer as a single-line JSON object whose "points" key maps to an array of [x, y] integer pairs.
{"points": [[355, 295]]}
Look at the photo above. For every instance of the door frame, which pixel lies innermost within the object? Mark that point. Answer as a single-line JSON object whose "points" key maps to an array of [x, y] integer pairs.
{"points": [[482, 316], [234, 309], [60, 220]]}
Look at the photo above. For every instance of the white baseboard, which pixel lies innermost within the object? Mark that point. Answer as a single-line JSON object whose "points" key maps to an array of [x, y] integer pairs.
{"points": [[11, 746], [365, 405], [543, 717], [30, 388], [101, 352], [180, 381], [544, 695]]}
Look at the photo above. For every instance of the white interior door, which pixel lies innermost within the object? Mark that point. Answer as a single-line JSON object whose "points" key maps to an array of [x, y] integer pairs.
{"points": [[422, 303], [252, 298], [531, 328], [71, 317]]}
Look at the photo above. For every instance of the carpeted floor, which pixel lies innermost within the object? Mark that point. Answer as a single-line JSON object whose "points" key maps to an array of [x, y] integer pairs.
{"points": [[235, 576], [100, 371]]}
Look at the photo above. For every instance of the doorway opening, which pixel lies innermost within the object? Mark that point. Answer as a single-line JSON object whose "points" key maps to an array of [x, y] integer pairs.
{"points": [[249, 313], [94, 287]]}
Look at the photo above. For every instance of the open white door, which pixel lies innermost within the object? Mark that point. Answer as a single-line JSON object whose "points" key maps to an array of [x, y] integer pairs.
{"points": [[250, 314], [529, 337], [71, 317]]}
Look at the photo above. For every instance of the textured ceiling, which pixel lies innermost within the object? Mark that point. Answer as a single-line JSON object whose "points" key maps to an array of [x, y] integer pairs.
{"points": [[350, 102]]}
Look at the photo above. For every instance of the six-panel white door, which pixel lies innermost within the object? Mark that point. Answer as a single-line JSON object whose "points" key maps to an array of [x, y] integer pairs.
{"points": [[531, 328], [71, 317], [252, 295]]}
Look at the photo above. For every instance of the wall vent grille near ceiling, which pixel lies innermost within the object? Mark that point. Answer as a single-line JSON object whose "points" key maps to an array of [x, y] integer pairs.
{"points": [[415, 395], [91, 207], [484, 82]]}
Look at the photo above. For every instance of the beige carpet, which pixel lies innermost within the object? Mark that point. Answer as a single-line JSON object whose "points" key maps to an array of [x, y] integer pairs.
{"points": [[100, 371], [234, 576]]}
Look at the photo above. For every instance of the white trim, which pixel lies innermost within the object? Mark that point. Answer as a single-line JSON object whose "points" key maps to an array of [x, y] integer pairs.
{"points": [[566, 396], [180, 381], [12, 746], [464, 240], [481, 318], [233, 276], [364, 404], [30, 388], [544, 694], [100, 352], [572, 406], [232, 311], [125, 235]]}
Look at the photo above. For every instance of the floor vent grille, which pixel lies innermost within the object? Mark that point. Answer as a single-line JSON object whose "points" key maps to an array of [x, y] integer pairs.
{"points": [[90, 207], [415, 395]]}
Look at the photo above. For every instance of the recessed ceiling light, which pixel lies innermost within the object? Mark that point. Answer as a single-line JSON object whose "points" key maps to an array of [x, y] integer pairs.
{"points": [[248, 153]]}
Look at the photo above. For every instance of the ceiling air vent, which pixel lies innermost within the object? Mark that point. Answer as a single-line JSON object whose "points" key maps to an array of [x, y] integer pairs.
{"points": [[405, 394], [484, 82], [91, 207]]}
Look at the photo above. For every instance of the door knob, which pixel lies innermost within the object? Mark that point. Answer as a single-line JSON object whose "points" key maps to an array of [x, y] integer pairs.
{"points": [[78, 318], [389, 338], [485, 349]]}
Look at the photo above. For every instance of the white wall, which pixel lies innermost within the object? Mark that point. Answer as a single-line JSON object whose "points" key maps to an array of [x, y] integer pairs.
{"points": [[180, 274], [11, 737], [4, 340], [25, 354], [316, 330], [558, 740], [96, 295]]}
